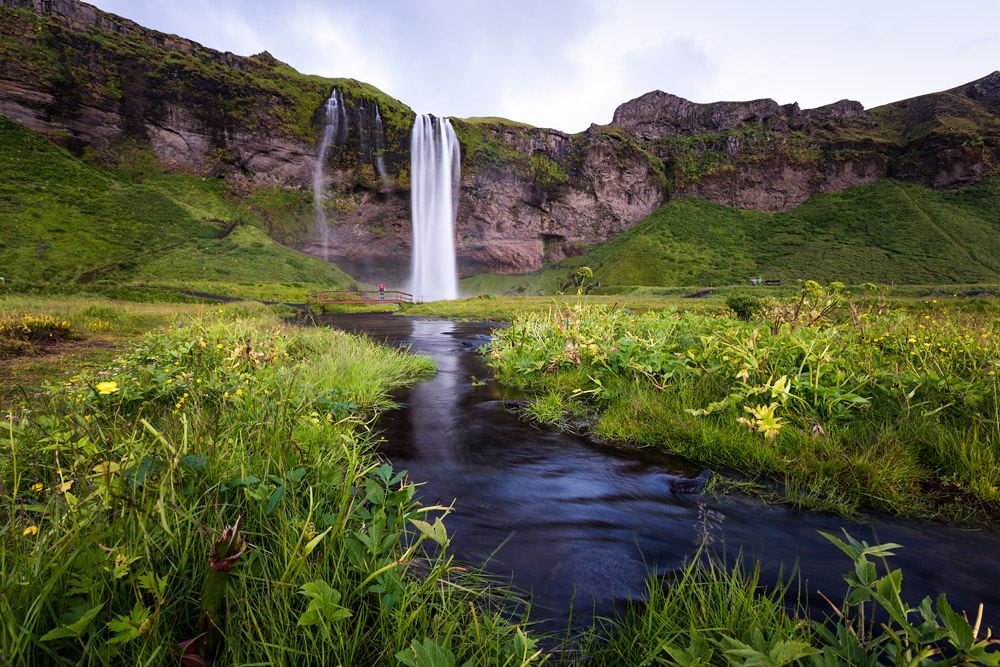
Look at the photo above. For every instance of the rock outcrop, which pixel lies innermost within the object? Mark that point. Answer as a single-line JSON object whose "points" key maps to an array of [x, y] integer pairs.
{"points": [[773, 157]]}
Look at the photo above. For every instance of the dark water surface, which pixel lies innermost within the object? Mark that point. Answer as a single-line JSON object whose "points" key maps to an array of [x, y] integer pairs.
{"points": [[578, 523]]}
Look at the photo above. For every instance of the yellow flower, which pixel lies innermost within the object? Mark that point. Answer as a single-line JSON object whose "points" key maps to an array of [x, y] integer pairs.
{"points": [[37, 487], [107, 387], [30, 530], [219, 346], [239, 392]]}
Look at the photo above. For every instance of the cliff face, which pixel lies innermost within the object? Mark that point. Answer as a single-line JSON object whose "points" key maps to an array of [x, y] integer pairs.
{"points": [[96, 82], [527, 195], [101, 84], [763, 155], [106, 87]]}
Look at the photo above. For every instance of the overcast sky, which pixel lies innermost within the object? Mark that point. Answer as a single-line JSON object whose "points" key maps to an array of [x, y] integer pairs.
{"points": [[568, 63]]}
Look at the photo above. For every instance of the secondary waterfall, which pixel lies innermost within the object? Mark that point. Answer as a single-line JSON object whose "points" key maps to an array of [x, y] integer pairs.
{"points": [[380, 150], [334, 113], [435, 173]]}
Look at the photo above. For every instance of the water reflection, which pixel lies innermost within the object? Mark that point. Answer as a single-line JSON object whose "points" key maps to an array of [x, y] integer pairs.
{"points": [[578, 523]]}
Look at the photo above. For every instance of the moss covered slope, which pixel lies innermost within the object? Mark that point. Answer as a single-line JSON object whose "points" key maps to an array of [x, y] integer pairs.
{"points": [[888, 232], [66, 219]]}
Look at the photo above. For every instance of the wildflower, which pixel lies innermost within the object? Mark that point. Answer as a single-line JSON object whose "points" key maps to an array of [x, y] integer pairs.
{"points": [[219, 346], [37, 487], [30, 530], [107, 387]]}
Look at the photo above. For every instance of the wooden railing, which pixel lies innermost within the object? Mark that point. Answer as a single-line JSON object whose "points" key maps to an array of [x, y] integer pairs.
{"points": [[360, 297]]}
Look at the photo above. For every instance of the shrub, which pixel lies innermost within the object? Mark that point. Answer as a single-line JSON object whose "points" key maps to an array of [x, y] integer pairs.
{"points": [[744, 306]]}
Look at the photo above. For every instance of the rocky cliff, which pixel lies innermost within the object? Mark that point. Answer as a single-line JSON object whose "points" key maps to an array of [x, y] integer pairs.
{"points": [[773, 157], [120, 93]]}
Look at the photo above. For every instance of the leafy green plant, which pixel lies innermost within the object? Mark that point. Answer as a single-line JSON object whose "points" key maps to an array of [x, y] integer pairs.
{"points": [[938, 637], [324, 609], [864, 406], [745, 306]]}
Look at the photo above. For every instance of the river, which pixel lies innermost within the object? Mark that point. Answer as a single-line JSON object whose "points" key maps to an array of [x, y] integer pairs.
{"points": [[580, 524]]}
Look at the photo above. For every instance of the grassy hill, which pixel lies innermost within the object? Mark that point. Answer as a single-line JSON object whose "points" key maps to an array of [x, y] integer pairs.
{"points": [[63, 218], [886, 232]]}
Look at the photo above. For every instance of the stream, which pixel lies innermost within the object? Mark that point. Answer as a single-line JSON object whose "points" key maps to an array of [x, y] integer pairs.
{"points": [[580, 525]]}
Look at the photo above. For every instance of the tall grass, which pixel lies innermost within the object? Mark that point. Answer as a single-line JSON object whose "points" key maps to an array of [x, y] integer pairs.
{"points": [[714, 614], [874, 407], [117, 482], [704, 602]]}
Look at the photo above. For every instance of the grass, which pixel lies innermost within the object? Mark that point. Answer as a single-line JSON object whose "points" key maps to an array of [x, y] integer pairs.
{"points": [[232, 423], [228, 430], [874, 407], [888, 232], [495, 120], [67, 220], [973, 299], [98, 330], [705, 601], [712, 613], [504, 308]]}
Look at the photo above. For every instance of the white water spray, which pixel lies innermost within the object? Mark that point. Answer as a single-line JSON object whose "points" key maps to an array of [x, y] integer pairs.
{"points": [[364, 145], [379, 150], [435, 173], [334, 107]]}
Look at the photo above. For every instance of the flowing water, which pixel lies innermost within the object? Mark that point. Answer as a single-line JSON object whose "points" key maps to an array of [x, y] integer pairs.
{"points": [[434, 177], [380, 150], [331, 131], [577, 523]]}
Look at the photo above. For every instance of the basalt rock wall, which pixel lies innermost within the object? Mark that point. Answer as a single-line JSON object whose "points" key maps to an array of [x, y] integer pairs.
{"points": [[763, 155]]}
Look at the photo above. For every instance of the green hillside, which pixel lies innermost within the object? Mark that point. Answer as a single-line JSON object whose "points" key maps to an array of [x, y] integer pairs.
{"points": [[63, 219], [886, 232]]}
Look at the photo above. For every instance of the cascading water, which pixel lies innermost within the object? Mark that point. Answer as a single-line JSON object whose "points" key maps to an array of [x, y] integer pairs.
{"points": [[379, 150], [363, 143], [334, 110], [435, 173], [344, 127]]}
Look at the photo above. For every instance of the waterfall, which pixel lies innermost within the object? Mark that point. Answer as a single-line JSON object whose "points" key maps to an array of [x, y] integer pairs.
{"points": [[334, 108], [434, 179], [363, 144], [379, 150], [342, 139]]}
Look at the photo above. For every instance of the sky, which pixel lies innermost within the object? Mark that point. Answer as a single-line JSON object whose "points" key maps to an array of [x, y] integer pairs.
{"points": [[568, 63]]}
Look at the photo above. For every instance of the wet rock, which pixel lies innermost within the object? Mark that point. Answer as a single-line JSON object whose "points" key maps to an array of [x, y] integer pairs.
{"points": [[683, 485]]}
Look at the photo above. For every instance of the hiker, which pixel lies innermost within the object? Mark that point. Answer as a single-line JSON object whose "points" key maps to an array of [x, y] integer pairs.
{"points": [[381, 292]]}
